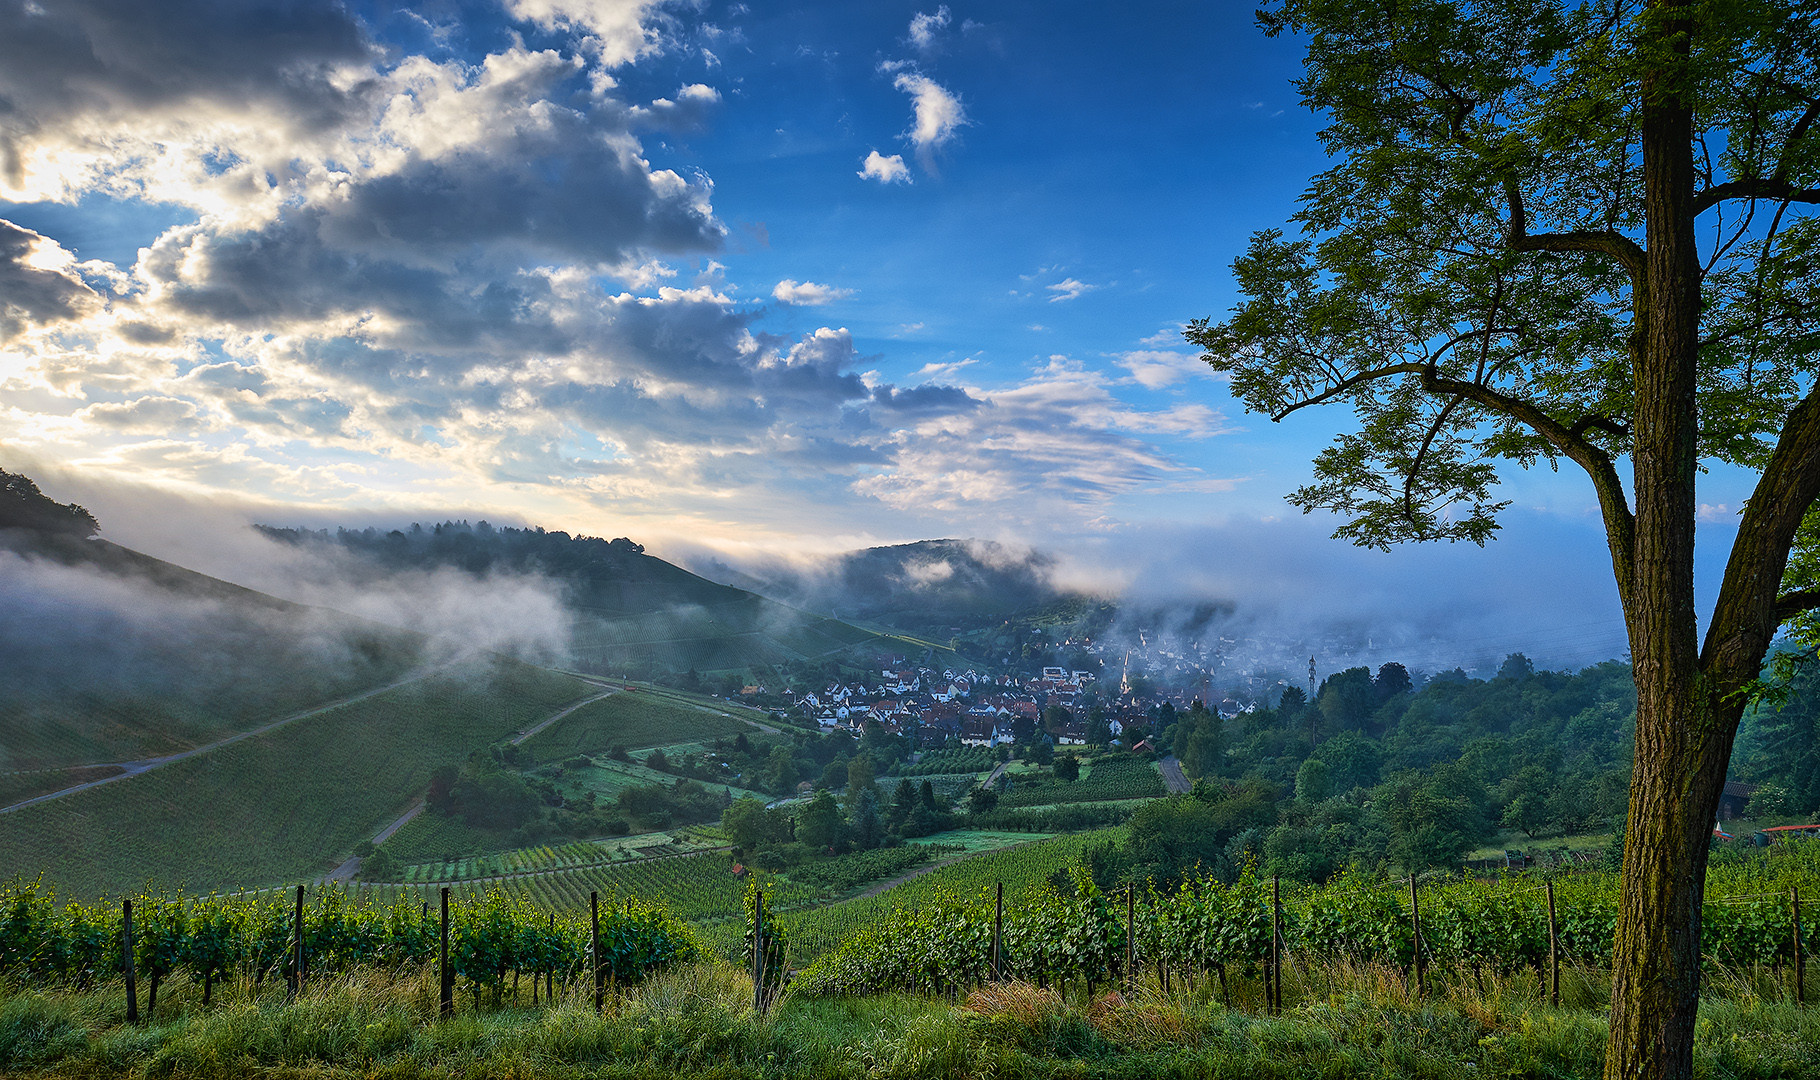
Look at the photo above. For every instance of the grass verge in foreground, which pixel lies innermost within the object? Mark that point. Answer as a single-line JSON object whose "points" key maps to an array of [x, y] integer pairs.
{"points": [[697, 1021]]}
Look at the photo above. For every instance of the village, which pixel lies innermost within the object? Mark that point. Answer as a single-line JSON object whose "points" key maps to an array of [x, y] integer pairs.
{"points": [[947, 706]]}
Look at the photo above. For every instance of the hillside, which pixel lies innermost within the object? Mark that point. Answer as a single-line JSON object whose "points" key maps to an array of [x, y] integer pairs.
{"points": [[631, 612], [112, 656]]}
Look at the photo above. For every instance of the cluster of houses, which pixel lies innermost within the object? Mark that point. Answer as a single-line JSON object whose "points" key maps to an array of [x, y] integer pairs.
{"points": [[933, 707]]}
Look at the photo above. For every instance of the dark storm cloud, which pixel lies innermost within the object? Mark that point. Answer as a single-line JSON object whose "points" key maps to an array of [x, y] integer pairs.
{"points": [[65, 58], [566, 191], [30, 295]]}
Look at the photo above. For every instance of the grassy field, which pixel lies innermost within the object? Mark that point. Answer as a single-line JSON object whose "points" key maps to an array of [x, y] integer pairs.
{"points": [[288, 805], [697, 1021], [634, 719]]}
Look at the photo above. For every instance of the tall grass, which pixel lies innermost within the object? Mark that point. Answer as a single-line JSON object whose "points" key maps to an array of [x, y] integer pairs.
{"points": [[698, 1021]]}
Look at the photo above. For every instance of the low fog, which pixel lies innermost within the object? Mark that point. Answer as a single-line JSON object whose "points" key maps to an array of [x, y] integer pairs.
{"points": [[518, 614], [1260, 592]]}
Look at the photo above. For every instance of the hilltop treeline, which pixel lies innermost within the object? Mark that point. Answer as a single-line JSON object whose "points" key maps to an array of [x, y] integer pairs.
{"points": [[1377, 772], [479, 548]]}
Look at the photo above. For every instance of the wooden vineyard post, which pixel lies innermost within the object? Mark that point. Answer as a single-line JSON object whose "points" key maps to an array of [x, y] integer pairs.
{"points": [[600, 974], [998, 935], [1276, 944], [1130, 937], [446, 992], [1415, 923], [1794, 897], [550, 972], [297, 947], [1554, 948], [126, 961], [758, 953]]}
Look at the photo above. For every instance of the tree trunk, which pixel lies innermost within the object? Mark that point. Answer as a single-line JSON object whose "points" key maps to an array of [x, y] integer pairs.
{"points": [[1684, 733]]}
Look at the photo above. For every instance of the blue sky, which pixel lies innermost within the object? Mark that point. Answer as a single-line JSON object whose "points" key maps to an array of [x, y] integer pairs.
{"points": [[741, 277]]}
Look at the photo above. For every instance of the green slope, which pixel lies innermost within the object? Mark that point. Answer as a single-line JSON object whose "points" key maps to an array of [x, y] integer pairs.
{"points": [[289, 804]]}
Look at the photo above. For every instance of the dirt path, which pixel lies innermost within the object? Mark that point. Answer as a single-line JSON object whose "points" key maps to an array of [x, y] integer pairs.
{"points": [[347, 870], [1173, 778], [145, 765], [584, 701]]}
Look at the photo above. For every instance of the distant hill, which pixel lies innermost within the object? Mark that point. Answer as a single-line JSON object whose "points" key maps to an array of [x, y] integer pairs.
{"points": [[632, 612], [930, 586]]}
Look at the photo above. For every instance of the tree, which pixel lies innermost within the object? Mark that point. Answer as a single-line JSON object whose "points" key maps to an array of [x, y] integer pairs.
{"points": [[780, 770], [818, 824], [1313, 781], [23, 506], [749, 824], [1583, 233], [1348, 698], [1393, 679], [1516, 666], [903, 804]]}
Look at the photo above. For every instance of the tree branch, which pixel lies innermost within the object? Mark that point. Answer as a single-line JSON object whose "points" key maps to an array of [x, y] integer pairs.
{"points": [[1620, 524], [1753, 188], [1334, 391], [1602, 241], [1750, 606], [1789, 605], [1415, 466]]}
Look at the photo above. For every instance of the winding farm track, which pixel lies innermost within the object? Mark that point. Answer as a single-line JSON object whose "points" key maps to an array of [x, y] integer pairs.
{"points": [[144, 765], [347, 870], [1173, 777]]}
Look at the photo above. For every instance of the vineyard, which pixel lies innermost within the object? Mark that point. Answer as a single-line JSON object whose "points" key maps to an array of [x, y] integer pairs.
{"points": [[695, 888], [249, 813], [570, 856], [214, 938], [964, 759], [1108, 778], [815, 931], [942, 939]]}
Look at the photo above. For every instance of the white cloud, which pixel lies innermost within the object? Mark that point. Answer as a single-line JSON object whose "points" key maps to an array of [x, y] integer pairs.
{"points": [[1156, 369], [1069, 289], [807, 293], [619, 31], [886, 170], [924, 27], [938, 113]]}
